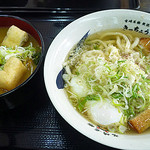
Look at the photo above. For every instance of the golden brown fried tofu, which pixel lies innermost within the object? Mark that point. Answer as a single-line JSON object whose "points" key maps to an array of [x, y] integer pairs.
{"points": [[141, 122], [15, 37], [12, 73]]}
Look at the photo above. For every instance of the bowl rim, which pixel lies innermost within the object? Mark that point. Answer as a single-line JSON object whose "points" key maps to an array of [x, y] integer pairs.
{"points": [[49, 56], [41, 56]]}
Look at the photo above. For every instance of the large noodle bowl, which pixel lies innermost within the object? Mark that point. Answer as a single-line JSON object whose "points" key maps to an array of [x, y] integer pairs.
{"points": [[107, 78]]}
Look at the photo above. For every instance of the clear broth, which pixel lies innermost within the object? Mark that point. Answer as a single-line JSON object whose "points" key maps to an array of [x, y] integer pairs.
{"points": [[98, 36]]}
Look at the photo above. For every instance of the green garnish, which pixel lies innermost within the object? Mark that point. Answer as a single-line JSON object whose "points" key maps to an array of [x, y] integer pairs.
{"points": [[23, 53]]}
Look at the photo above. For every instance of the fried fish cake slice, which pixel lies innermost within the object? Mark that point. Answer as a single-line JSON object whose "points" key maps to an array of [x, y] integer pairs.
{"points": [[141, 122]]}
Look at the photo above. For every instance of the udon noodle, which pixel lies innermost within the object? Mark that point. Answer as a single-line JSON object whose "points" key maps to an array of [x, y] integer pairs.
{"points": [[107, 78]]}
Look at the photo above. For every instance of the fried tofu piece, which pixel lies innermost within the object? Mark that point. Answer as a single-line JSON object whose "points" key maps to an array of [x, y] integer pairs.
{"points": [[15, 37], [141, 122], [12, 73], [145, 42]]}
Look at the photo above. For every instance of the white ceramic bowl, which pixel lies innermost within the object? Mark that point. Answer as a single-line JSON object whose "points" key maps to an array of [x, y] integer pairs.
{"points": [[64, 41]]}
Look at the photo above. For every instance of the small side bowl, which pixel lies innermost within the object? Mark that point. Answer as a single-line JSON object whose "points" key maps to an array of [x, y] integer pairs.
{"points": [[58, 50], [22, 92]]}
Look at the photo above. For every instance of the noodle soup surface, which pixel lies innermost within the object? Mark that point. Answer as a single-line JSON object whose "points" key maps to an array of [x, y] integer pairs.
{"points": [[107, 79]]}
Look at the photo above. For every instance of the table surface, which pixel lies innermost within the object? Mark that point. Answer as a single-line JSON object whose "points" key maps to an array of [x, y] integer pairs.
{"points": [[36, 124]]}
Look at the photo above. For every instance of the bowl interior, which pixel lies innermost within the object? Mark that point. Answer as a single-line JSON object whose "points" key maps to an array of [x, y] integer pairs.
{"points": [[7, 21], [64, 41]]}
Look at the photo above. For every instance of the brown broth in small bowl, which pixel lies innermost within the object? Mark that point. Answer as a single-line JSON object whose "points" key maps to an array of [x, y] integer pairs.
{"points": [[32, 66], [22, 92]]}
